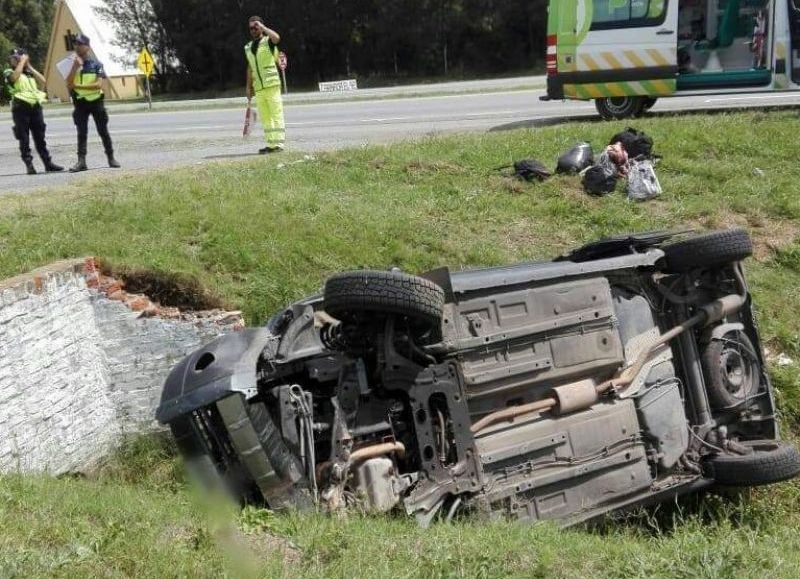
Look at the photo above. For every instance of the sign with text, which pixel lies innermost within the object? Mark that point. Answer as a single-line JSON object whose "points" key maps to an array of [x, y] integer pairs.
{"points": [[338, 86]]}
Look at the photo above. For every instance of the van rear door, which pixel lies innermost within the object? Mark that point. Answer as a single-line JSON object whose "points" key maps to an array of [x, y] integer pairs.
{"points": [[619, 48]]}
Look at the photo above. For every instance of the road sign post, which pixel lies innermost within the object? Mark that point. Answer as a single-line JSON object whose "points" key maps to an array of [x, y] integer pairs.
{"points": [[147, 65], [283, 64]]}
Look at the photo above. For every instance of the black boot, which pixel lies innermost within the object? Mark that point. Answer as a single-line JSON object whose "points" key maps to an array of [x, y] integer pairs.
{"points": [[112, 162], [80, 165], [51, 167], [30, 168]]}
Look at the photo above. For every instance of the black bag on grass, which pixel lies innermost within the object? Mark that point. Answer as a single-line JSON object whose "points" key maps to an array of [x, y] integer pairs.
{"points": [[598, 181], [531, 169], [576, 159], [636, 143]]}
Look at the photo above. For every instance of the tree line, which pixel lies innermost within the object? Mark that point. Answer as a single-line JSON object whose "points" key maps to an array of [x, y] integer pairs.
{"points": [[198, 44], [25, 24]]}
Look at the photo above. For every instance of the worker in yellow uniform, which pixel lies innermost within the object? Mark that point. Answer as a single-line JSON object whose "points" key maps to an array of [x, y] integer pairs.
{"points": [[20, 83], [264, 82]]}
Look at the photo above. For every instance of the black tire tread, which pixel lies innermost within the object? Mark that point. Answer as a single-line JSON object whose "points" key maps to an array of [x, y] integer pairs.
{"points": [[707, 250], [383, 291], [759, 468]]}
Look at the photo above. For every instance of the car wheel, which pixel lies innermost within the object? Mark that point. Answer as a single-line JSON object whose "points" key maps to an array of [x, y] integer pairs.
{"points": [[769, 462], [350, 294], [731, 369], [707, 250], [619, 107]]}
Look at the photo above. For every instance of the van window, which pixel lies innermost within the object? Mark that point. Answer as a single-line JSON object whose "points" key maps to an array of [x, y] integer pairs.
{"points": [[627, 13]]}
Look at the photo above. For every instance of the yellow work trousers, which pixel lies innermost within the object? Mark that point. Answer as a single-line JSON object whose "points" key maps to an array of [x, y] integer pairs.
{"points": [[270, 107]]}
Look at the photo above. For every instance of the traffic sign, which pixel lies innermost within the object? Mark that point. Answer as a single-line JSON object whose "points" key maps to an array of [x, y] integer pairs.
{"points": [[145, 62]]}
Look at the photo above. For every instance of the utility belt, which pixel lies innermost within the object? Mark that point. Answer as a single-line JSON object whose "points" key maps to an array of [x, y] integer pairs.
{"points": [[78, 101], [18, 105]]}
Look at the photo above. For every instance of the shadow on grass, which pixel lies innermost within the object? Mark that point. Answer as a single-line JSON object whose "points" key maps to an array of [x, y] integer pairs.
{"points": [[705, 508]]}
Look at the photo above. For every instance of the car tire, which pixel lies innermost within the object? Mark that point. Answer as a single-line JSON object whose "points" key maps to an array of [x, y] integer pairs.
{"points": [[707, 250], [353, 293], [771, 461], [731, 369], [611, 108]]}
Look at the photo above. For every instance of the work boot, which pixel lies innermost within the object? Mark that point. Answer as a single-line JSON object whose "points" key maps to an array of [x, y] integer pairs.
{"points": [[113, 163], [79, 166], [30, 168], [51, 167]]}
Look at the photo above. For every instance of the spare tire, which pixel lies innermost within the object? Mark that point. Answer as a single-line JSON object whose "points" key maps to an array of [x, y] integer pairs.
{"points": [[731, 369], [384, 292], [771, 461], [708, 250]]}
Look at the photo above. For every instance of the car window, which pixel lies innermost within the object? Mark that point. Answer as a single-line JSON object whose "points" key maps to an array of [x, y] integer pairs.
{"points": [[627, 13]]}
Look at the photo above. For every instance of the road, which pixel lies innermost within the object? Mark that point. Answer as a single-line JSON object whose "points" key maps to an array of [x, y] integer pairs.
{"points": [[159, 139]]}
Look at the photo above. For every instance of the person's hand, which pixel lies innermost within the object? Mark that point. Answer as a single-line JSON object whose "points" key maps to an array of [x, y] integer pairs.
{"points": [[24, 59]]}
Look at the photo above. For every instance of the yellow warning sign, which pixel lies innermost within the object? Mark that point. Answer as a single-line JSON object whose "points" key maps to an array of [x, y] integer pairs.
{"points": [[145, 62]]}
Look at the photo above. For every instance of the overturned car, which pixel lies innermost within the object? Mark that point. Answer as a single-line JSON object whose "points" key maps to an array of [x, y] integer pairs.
{"points": [[625, 372]]}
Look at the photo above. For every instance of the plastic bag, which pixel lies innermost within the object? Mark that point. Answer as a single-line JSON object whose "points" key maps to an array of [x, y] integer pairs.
{"points": [[642, 181], [576, 159]]}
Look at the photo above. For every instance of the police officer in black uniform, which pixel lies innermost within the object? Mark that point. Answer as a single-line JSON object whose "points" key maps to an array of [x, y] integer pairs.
{"points": [[26, 109], [85, 82]]}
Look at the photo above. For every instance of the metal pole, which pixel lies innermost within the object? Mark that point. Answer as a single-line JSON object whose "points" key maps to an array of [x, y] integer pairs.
{"points": [[147, 90], [285, 85]]}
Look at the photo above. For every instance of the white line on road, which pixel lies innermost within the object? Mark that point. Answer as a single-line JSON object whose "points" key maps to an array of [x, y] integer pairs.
{"points": [[754, 97]]}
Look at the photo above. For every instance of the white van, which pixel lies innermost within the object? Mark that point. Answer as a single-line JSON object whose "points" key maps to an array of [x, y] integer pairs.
{"points": [[624, 54]]}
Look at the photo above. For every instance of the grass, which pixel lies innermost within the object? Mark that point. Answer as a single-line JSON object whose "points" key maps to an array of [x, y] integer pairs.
{"points": [[261, 233]]}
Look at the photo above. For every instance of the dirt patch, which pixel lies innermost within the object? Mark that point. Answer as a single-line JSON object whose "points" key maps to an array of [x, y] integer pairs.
{"points": [[152, 293], [169, 289]]}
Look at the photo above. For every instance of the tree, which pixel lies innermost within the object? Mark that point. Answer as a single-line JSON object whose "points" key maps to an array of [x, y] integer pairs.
{"points": [[138, 27], [26, 24]]}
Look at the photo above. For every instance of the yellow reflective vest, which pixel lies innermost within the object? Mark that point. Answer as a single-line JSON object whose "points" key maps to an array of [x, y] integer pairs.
{"points": [[25, 89], [89, 73], [263, 69]]}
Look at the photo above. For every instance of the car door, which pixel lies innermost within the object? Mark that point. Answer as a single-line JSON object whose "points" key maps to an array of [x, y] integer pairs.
{"points": [[625, 48], [794, 39]]}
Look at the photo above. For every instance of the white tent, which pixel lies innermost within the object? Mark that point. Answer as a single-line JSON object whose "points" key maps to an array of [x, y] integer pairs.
{"points": [[72, 17]]}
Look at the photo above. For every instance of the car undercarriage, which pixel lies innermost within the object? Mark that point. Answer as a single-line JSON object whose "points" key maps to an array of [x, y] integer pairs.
{"points": [[626, 372]]}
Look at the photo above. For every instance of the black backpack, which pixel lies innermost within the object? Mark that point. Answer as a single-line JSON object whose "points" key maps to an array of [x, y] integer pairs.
{"points": [[636, 143], [596, 181]]}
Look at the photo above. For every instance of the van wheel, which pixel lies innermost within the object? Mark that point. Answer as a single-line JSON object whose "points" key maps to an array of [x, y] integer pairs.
{"points": [[769, 461], [619, 107], [707, 250], [367, 292]]}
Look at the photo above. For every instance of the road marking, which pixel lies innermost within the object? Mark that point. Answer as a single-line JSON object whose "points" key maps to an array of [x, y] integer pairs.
{"points": [[754, 97]]}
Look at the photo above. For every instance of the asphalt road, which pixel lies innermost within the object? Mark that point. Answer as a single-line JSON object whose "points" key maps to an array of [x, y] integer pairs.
{"points": [[147, 140]]}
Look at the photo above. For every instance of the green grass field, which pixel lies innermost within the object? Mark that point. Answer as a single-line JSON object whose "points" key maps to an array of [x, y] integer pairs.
{"points": [[259, 234]]}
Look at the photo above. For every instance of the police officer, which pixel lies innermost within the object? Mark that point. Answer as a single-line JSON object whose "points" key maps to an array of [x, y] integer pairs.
{"points": [[264, 82], [26, 109], [85, 82]]}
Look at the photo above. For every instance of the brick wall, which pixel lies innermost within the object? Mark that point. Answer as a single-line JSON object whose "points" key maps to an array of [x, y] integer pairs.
{"points": [[78, 370]]}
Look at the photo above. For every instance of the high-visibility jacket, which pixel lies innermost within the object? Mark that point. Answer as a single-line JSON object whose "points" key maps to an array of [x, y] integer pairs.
{"points": [[261, 56], [24, 89], [90, 72]]}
